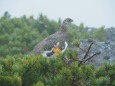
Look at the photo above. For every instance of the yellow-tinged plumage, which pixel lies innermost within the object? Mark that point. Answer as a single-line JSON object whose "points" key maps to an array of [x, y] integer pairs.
{"points": [[57, 50]]}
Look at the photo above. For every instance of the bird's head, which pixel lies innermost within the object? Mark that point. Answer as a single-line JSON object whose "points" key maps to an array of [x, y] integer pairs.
{"points": [[67, 22]]}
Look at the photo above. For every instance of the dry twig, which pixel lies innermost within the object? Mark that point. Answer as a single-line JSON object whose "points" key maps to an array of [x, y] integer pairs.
{"points": [[84, 60]]}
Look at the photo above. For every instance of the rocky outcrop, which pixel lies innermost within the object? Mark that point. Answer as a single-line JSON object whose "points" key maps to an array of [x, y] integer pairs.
{"points": [[106, 50], [110, 34]]}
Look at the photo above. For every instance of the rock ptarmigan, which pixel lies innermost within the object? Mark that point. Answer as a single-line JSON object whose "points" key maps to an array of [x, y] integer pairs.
{"points": [[55, 43]]}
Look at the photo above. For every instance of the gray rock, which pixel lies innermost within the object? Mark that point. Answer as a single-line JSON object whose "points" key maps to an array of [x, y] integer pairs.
{"points": [[107, 50], [110, 34]]}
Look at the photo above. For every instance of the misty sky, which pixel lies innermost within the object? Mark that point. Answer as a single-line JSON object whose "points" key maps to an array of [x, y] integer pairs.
{"points": [[93, 13]]}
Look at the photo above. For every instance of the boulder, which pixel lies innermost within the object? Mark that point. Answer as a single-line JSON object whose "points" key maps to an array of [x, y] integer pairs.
{"points": [[106, 50]]}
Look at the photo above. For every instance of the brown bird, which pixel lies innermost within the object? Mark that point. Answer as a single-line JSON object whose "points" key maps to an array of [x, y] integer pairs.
{"points": [[56, 43]]}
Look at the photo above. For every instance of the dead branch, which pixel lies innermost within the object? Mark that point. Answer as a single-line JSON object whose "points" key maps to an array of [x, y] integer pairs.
{"points": [[85, 55], [88, 50], [81, 49], [92, 56]]}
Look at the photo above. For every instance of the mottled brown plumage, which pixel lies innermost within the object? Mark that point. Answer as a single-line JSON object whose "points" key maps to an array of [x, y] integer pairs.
{"points": [[61, 36]]}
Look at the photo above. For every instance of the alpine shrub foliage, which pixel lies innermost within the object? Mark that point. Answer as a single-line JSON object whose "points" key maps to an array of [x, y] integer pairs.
{"points": [[20, 35], [30, 70]]}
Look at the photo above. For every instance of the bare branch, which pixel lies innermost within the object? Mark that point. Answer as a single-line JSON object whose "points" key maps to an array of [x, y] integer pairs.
{"points": [[88, 50], [92, 56], [80, 63], [83, 59], [81, 49]]}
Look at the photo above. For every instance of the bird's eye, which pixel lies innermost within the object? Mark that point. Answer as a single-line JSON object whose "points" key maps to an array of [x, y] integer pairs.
{"points": [[69, 19]]}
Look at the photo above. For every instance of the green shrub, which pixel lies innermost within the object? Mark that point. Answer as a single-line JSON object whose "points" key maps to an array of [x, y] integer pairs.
{"points": [[10, 81], [20, 35], [30, 70]]}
